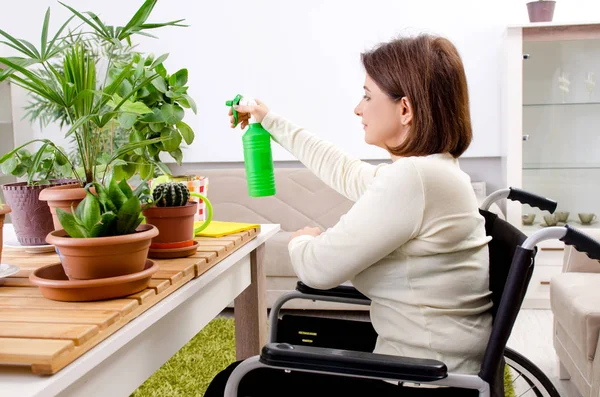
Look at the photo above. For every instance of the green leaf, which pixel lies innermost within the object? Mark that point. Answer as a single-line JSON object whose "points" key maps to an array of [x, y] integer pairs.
{"points": [[159, 61], [89, 211], [44, 42], [179, 79], [67, 221], [188, 102], [161, 70], [157, 127], [138, 19], [153, 150], [142, 189], [128, 215], [98, 29], [172, 139], [125, 188], [159, 84], [105, 227], [115, 194], [127, 120], [135, 107], [146, 171], [163, 168], [155, 117], [21, 170], [186, 131], [9, 166], [125, 88], [17, 45], [177, 155], [172, 114]]}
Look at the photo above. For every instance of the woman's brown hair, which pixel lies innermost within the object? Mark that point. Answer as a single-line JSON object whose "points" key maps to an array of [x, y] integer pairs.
{"points": [[429, 72]]}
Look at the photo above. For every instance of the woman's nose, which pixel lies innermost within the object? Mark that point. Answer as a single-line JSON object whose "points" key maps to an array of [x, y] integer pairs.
{"points": [[357, 111]]}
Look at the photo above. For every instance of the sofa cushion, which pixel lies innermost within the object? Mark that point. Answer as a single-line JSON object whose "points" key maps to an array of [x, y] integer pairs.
{"points": [[574, 300], [277, 259]]}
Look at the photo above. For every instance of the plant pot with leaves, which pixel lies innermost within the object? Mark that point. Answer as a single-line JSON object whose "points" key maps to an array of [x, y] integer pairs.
{"points": [[4, 209], [31, 218], [172, 213], [120, 109], [104, 236]]}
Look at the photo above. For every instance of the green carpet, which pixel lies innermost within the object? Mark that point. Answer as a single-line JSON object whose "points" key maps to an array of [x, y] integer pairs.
{"points": [[189, 372], [191, 369]]}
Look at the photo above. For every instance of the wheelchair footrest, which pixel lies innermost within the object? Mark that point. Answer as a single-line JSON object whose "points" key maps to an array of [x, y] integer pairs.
{"points": [[288, 356]]}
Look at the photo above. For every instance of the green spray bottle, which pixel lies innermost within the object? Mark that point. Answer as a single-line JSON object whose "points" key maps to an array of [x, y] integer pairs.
{"points": [[258, 157]]}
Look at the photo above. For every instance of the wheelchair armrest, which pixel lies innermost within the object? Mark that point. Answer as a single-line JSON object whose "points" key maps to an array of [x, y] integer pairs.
{"points": [[334, 361], [342, 291]]}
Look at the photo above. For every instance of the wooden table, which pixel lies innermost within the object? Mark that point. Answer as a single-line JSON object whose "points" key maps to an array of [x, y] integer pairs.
{"points": [[119, 364]]}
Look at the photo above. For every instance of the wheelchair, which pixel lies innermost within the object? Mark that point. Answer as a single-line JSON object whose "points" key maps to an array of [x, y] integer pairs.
{"points": [[331, 346]]}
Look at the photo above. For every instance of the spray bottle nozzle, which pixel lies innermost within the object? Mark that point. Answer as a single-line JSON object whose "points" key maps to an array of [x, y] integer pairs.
{"points": [[231, 103]]}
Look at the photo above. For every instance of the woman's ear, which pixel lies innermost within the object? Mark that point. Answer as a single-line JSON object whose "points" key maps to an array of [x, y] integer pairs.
{"points": [[405, 110]]}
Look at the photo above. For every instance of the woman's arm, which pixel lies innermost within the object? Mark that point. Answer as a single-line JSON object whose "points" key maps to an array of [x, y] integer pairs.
{"points": [[387, 215], [347, 175]]}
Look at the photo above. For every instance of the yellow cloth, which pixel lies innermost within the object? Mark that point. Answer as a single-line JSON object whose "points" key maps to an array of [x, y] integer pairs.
{"points": [[219, 229]]}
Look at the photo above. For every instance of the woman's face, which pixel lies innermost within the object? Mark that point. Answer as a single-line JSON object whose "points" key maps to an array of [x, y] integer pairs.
{"points": [[386, 122]]}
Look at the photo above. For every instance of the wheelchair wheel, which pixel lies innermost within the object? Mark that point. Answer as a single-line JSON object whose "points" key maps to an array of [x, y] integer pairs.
{"points": [[527, 378]]}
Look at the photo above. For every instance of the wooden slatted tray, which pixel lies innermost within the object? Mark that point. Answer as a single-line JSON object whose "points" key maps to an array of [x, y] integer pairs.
{"points": [[48, 335]]}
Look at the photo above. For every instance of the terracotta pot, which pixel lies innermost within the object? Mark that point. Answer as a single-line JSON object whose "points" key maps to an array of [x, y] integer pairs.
{"points": [[541, 10], [55, 285], [101, 257], [31, 217], [175, 224], [63, 197], [3, 211]]}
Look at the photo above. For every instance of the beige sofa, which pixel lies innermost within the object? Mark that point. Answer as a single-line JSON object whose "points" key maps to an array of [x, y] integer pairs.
{"points": [[575, 302], [301, 200]]}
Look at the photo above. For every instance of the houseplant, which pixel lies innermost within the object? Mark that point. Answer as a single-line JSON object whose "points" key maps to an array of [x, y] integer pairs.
{"points": [[132, 95], [103, 237], [541, 10], [31, 217], [172, 213]]}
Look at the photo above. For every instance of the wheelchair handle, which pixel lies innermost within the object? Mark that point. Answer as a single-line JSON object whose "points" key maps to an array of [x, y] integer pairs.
{"points": [[582, 242], [521, 196], [570, 236]]}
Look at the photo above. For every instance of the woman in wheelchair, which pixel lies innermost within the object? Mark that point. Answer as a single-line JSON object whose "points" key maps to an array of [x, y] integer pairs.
{"points": [[414, 242]]}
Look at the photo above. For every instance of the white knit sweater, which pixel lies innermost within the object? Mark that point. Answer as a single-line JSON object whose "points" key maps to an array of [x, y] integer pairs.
{"points": [[414, 243]]}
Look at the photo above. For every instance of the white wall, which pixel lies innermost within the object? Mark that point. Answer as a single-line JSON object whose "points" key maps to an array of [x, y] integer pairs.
{"points": [[301, 58]]}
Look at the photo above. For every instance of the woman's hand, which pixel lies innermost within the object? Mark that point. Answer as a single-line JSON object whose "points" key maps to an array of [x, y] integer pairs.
{"points": [[307, 231], [259, 112]]}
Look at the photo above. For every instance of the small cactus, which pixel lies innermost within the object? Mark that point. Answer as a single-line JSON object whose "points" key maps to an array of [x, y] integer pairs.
{"points": [[171, 194]]}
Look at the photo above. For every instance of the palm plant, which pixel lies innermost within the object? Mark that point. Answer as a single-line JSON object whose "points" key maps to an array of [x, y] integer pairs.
{"points": [[132, 99]]}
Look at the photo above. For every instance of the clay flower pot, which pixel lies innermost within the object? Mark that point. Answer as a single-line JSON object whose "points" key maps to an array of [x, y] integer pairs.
{"points": [[175, 224], [63, 197], [4, 209], [30, 216], [102, 257], [541, 10]]}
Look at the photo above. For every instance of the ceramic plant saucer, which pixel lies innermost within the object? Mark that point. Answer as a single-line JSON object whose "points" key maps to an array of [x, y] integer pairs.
{"points": [[8, 270], [54, 284], [169, 253], [32, 249]]}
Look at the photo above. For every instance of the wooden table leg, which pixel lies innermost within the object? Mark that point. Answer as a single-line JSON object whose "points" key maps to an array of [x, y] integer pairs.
{"points": [[250, 309]]}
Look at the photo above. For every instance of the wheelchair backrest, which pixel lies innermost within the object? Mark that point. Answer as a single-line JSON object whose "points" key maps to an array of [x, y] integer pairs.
{"points": [[511, 268]]}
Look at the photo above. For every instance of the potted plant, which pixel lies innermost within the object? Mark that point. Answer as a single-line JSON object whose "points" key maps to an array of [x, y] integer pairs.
{"points": [[134, 97], [172, 213], [4, 209], [103, 237], [541, 10], [31, 218]]}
